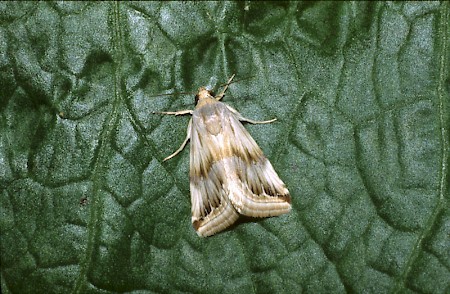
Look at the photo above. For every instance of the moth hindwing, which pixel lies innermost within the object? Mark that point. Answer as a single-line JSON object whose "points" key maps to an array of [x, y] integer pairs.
{"points": [[229, 174]]}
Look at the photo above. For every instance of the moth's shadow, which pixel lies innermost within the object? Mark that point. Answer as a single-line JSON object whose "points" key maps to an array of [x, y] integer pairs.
{"points": [[242, 220]]}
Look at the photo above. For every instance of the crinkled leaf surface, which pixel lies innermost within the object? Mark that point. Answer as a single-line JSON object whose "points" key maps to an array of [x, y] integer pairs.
{"points": [[361, 93]]}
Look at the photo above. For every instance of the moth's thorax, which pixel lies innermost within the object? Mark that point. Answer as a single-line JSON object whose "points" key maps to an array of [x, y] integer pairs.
{"points": [[210, 113], [204, 97]]}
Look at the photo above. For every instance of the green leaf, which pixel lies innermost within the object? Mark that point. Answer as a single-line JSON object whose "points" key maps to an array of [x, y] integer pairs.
{"points": [[361, 93]]}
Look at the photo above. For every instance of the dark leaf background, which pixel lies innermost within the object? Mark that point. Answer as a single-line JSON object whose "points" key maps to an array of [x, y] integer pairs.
{"points": [[361, 93]]}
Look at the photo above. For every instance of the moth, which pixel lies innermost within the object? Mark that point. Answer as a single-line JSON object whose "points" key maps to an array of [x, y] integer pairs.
{"points": [[229, 174]]}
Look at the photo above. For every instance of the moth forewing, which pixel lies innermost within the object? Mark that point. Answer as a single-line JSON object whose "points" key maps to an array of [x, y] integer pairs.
{"points": [[229, 174]]}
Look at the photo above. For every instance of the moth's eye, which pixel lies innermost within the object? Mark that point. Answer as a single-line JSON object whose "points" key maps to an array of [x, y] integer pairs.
{"points": [[196, 99]]}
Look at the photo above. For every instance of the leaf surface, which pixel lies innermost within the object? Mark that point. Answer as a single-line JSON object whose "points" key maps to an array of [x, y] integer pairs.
{"points": [[361, 94]]}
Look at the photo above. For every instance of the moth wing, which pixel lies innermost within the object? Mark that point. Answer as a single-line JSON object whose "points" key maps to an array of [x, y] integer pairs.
{"points": [[212, 211], [254, 188]]}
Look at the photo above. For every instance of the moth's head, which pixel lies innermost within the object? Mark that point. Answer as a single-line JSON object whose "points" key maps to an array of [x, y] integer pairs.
{"points": [[202, 94]]}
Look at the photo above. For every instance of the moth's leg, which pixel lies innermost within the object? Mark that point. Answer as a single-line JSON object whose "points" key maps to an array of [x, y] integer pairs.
{"points": [[220, 96], [180, 112], [188, 136], [241, 118]]}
